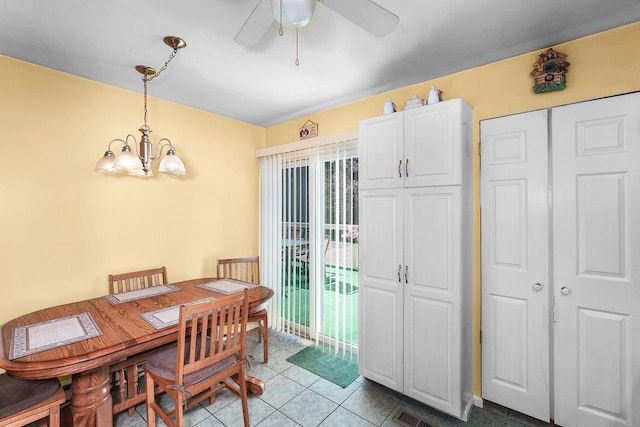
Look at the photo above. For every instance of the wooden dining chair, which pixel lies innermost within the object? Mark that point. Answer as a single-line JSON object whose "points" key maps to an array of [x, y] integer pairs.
{"points": [[126, 374], [24, 402], [208, 357], [248, 270], [137, 280]]}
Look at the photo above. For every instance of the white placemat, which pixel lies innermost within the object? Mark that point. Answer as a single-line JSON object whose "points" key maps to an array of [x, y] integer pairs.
{"points": [[151, 291], [226, 286], [51, 334], [169, 316]]}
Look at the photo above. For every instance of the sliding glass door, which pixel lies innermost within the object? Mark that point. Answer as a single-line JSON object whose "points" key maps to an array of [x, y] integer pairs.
{"points": [[340, 225], [313, 227]]}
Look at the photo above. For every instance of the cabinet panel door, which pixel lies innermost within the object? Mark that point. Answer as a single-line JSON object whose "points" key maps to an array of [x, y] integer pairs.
{"points": [[433, 141], [380, 339], [596, 211], [381, 152], [433, 326]]}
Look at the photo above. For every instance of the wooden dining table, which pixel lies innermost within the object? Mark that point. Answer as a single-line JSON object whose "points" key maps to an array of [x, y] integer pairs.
{"points": [[123, 333]]}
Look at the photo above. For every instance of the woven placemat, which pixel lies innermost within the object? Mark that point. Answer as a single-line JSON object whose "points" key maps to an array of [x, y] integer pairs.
{"points": [[51, 334], [226, 286], [149, 292], [169, 316]]}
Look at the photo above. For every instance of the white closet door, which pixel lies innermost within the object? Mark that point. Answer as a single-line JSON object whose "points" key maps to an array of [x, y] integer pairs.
{"points": [[596, 223], [515, 262]]}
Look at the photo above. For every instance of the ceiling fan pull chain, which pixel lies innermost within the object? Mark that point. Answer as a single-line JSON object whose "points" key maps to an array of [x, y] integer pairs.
{"points": [[297, 60], [280, 30]]}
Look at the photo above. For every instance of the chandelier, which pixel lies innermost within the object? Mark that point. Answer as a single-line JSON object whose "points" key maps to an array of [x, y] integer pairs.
{"points": [[139, 163]]}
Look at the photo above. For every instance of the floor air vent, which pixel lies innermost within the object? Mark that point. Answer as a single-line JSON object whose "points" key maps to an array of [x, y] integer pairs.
{"points": [[406, 419]]}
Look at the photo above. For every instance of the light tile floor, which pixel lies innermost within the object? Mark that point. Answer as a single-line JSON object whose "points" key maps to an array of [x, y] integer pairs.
{"points": [[296, 397]]}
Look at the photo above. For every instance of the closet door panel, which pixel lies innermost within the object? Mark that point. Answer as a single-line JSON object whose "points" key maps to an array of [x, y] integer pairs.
{"points": [[596, 197], [515, 262]]}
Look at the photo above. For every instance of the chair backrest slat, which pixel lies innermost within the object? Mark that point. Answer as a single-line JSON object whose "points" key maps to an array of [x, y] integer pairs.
{"points": [[136, 280], [211, 331], [244, 269]]}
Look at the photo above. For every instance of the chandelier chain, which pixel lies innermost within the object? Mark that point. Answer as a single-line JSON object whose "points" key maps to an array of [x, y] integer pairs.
{"points": [[146, 79]]}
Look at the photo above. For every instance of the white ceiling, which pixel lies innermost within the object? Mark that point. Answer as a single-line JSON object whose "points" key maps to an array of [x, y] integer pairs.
{"points": [[339, 62]]}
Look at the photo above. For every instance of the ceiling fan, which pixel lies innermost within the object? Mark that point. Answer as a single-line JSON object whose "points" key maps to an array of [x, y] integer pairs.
{"points": [[297, 13]]}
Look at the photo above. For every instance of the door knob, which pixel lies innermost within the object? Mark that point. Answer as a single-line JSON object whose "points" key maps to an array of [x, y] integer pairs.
{"points": [[537, 287], [565, 291]]}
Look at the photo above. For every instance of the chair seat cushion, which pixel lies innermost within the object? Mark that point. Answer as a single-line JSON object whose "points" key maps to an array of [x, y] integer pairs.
{"points": [[163, 365], [16, 395]]}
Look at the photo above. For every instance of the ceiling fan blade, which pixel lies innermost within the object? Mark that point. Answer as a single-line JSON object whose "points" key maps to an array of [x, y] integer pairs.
{"points": [[366, 14], [256, 25]]}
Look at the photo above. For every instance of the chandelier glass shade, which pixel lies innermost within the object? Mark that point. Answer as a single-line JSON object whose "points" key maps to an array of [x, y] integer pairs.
{"points": [[139, 163]]}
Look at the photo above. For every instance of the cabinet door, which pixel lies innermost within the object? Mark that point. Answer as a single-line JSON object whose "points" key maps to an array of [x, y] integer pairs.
{"points": [[432, 297], [434, 137], [380, 295], [381, 152]]}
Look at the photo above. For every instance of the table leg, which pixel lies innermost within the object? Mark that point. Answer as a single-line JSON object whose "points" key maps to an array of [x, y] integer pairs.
{"points": [[91, 399], [254, 385]]}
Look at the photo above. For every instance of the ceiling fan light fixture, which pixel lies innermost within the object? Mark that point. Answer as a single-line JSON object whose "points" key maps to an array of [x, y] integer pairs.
{"points": [[293, 13]]}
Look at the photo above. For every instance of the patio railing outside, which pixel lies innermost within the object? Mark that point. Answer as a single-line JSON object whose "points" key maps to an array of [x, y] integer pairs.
{"points": [[340, 294]]}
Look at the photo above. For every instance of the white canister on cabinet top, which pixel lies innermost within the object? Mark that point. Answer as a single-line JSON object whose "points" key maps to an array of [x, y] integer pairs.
{"points": [[434, 96]]}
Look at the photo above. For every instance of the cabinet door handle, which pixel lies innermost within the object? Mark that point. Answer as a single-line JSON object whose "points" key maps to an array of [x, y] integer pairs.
{"points": [[400, 168], [406, 167], [406, 274], [537, 287], [399, 273]]}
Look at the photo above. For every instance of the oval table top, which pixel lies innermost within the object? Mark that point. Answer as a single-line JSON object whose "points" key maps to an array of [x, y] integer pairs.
{"points": [[124, 332]]}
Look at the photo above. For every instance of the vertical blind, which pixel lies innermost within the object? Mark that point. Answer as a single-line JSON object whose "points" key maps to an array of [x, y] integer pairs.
{"points": [[309, 237]]}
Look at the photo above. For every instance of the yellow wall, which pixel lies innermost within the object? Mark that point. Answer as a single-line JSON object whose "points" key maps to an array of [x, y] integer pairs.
{"points": [[601, 65], [64, 227]]}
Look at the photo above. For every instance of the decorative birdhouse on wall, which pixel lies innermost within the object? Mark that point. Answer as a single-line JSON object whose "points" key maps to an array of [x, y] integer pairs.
{"points": [[549, 71]]}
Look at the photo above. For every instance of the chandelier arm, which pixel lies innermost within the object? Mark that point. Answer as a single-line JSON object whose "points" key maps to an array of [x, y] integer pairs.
{"points": [[124, 141], [161, 146], [116, 140], [127, 144]]}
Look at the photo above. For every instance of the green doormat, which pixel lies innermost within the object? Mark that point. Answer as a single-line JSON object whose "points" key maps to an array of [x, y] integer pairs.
{"points": [[332, 367]]}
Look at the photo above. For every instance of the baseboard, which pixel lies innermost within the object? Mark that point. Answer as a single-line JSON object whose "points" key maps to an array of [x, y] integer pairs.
{"points": [[477, 401]]}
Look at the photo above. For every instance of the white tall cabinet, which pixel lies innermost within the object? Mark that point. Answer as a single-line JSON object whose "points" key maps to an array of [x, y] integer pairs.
{"points": [[415, 298]]}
